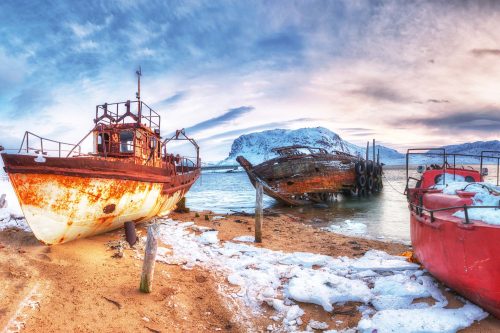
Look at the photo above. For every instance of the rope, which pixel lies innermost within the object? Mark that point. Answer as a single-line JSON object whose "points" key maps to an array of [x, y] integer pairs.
{"points": [[388, 182]]}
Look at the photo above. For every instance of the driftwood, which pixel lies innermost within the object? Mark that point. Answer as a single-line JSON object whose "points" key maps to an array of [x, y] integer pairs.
{"points": [[149, 259], [258, 212]]}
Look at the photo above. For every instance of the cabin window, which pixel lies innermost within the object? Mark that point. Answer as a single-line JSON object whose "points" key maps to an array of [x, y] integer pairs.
{"points": [[126, 142], [102, 137]]}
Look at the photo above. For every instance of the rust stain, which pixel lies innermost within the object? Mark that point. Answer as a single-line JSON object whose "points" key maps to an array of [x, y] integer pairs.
{"points": [[130, 176], [297, 177]]}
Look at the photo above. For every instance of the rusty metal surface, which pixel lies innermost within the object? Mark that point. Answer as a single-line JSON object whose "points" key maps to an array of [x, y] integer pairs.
{"points": [[297, 177], [130, 176], [62, 208]]}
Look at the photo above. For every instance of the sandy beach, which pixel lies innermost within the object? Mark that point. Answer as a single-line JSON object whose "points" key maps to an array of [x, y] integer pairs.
{"points": [[87, 286]]}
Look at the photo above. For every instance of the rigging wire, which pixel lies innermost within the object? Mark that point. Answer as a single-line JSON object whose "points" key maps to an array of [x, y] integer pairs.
{"points": [[388, 182]]}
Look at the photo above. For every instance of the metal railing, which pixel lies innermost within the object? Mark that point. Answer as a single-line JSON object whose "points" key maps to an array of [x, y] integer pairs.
{"points": [[441, 152], [180, 135], [419, 209], [30, 138], [185, 165], [113, 113]]}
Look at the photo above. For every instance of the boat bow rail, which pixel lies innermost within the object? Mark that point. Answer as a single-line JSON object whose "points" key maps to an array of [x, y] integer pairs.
{"points": [[33, 143]]}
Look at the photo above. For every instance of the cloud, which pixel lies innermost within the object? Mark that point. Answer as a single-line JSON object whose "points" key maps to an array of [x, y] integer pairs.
{"points": [[175, 98], [381, 91], [266, 126], [485, 52], [479, 120], [433, 100], [223, 119], [30, 101]]}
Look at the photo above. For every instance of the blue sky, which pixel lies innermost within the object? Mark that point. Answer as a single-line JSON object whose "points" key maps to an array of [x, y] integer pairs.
{"points": [[405, 72]]}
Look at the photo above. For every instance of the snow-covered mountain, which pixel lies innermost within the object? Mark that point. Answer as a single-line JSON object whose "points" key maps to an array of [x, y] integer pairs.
{"points": [[256, 147], [474, 148]]}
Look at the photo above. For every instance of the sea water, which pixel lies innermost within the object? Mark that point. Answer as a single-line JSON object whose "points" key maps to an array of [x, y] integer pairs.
{"points": [[383, 216]]}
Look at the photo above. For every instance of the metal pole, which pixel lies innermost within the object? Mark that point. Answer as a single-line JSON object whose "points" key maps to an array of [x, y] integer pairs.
{"points": [[367, 150], [498, 165], [466, 213], [373, 148]]}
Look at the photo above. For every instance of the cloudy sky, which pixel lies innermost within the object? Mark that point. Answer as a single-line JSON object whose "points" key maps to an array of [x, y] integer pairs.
{"points": [[408, 73]]}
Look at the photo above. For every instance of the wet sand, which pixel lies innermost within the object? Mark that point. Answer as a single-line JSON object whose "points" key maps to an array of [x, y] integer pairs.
{"points": [[82, 287]]}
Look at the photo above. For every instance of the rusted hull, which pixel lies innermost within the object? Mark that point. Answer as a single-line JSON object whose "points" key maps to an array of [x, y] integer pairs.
{"points": [[60, 206], [288, 180]]}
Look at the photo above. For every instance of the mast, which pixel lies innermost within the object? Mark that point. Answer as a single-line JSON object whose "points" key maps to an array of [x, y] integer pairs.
{"points": [[138, 95]]}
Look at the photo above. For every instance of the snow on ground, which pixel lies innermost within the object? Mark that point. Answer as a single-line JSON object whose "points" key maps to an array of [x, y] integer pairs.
{"points": [[388, 286], [250, 239], [12, 215]]}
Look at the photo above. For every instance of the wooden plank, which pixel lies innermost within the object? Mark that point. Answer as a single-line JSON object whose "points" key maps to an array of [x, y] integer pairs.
{"points": [[148, 267], [258, 212]]}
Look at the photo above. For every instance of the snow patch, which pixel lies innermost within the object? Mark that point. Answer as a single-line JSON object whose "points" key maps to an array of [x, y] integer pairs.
{"points": [[386, 285]]}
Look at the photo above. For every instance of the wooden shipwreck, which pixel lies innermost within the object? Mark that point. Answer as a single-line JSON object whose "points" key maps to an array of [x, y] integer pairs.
{"points": [[302, 175], [129, 176]]}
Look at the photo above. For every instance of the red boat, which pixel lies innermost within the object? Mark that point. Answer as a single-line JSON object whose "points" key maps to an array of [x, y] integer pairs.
{"points": [[463, 253]]}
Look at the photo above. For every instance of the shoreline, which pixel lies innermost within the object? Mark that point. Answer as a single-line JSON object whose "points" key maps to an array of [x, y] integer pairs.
{"points": [[91, 290]]}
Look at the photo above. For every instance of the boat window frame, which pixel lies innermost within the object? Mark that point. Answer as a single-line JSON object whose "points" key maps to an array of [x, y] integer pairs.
{"points": [[130, 144], [105, 143]]}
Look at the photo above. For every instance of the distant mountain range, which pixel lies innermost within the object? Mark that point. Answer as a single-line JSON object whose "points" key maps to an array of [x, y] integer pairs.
{"points": [[256, 147]]}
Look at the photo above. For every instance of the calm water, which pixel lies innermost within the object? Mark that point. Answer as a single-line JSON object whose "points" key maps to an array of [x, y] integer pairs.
{"points": [[384, 215]]}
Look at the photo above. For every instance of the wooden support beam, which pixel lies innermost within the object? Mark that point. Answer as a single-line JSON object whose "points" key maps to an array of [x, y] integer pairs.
{"points": [[258, 212], [149, 259]]}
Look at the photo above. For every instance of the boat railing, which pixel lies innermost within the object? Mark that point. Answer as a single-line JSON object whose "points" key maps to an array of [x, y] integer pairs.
{"points": [[33, 143], [185, 165], [450, 160], [116, 113], [420, 209], [180, 135]]}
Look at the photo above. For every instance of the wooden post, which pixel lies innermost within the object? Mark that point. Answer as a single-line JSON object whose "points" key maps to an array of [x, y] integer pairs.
{"points": [[130, 234], [3, 202], [149, 259], [258, 212]]}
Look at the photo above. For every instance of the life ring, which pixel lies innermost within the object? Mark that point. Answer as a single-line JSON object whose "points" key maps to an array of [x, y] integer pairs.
{"points": [[360, 167], [361, 180], [369, 183]]}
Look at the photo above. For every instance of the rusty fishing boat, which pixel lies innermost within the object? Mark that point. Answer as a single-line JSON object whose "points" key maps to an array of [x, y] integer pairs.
{"points": [[448, 237], [129, 177], [302, 175]]}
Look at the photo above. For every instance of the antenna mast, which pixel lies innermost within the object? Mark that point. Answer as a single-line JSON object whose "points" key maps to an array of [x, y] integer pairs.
{"points": [[138, 94]]}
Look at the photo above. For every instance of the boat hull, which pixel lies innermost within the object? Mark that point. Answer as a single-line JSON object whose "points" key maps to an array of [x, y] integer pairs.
{"points": [[465, 257], [69, 198], [288, 179]]}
